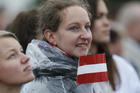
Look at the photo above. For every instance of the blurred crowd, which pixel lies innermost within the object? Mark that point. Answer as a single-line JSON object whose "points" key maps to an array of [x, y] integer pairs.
{"points": [[10, 8], [125, 34]]}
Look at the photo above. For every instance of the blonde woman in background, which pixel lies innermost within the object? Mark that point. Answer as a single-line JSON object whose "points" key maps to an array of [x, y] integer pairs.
{"points": [[14, 65]]}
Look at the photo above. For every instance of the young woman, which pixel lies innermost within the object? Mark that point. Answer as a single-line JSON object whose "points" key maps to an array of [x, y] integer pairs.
{"points": [[122, 77], [14, 65], [66, 28]]}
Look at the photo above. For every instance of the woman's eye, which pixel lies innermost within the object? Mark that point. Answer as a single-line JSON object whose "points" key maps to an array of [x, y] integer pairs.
{"points": [[74, 28], [87, 27], [12, 56], [98, 16], [102, 15]]}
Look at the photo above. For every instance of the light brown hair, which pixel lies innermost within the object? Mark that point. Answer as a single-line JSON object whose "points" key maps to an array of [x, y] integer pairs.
{"points": [[7, 34]]}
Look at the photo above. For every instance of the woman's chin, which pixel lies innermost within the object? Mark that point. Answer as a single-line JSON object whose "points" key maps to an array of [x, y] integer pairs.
{"points": [[30, 78], [82, 54]]}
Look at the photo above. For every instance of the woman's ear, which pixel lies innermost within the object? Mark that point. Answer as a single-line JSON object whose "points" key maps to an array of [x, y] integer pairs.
{"points": [[49, 35]]}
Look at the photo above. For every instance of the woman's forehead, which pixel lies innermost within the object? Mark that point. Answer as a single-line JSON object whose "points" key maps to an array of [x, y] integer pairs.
{"points": [[74, 13], [8, 44]]}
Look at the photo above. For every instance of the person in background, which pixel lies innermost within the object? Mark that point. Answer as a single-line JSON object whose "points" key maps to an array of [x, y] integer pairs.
{"points": [[128, 18], [122, 76], [25, 27], [14, 65], [65, 25]]}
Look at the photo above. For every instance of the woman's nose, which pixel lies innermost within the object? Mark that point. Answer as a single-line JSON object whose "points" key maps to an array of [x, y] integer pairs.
{"points": [[25, 59], [86, 35], [106, 22]]}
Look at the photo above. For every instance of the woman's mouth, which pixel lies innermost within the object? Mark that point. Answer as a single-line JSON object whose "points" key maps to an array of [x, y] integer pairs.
{"points": [[106, 32], [83, 46], [27, 68]]}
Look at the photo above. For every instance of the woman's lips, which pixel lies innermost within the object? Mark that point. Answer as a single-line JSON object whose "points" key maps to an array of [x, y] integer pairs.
{"points": [[107, 32], [82, 45], [27, 68]]}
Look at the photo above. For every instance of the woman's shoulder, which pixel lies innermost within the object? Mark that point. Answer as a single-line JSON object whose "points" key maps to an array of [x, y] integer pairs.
{"points": [[33, 44], [129, 79], [33, 48], [124, 67], [121, 61]]}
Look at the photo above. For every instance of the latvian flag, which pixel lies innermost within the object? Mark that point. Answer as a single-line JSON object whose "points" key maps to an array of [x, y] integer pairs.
{"points": [[92, 68]]}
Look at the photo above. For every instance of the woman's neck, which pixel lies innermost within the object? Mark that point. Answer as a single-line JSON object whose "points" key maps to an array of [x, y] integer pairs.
{"points": [[9, 88], [93, 49]]}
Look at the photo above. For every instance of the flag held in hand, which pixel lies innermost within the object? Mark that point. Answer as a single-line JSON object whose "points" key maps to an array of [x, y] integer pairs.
{"points": [[92, 68]]}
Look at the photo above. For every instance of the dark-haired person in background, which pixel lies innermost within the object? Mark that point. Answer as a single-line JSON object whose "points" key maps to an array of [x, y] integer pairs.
{"points": [[122, 76], [25, 27]]}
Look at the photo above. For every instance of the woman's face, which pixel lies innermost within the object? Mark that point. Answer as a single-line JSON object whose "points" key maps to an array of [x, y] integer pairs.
{"points": [[14, 66], [73, 35], [100, 30]]}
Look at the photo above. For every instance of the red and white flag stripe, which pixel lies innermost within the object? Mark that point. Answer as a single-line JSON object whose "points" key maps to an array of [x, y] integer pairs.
{"points": [[95, 68], [92, 68]]}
